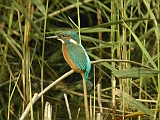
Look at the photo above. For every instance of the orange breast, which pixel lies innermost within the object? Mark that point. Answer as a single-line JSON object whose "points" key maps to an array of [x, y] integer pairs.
{"points": [[68, 60]]}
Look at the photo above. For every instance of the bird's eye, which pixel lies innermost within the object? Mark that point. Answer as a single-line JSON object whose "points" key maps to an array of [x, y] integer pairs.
{"points": [[59, 35]]}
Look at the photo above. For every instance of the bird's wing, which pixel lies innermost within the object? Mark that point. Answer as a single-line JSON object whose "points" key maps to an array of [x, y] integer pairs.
{"points": [[78, 56]]}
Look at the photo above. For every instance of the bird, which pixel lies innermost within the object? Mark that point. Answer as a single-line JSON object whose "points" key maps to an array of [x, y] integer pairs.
{"points": [[74, 53]]}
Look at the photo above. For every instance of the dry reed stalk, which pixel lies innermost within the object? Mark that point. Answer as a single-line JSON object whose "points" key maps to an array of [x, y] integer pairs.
{"points": [[48, 111], [67, 105]]}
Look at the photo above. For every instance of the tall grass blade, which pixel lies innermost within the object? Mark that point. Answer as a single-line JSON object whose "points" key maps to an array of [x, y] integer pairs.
{"points": [[133, 102], [135, 73], [27, 17], [142, 47], [40, 6]]}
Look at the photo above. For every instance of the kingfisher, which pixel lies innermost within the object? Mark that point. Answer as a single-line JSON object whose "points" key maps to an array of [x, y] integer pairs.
{"points": [[74, 53]]}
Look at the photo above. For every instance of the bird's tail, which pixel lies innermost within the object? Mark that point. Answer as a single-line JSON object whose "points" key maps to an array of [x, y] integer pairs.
{"points": [[86, 76]]}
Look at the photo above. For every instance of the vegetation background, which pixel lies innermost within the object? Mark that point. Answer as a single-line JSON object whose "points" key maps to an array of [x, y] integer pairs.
{"points": [[123, 34]]}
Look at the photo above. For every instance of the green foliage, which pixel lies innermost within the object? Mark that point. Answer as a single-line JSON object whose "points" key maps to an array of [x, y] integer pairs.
{"points": [[133, 102], [135, 73], [109, 29]]}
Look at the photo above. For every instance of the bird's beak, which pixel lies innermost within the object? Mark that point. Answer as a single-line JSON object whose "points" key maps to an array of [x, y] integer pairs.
{"points": [[56, 36]]}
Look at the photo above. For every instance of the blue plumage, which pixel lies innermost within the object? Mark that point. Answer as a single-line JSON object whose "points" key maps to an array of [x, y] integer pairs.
{"points": [[79, 56], [74, 53]]}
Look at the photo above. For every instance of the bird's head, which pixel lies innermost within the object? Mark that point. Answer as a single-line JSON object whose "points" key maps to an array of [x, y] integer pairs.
{"points": [[67, 37]]}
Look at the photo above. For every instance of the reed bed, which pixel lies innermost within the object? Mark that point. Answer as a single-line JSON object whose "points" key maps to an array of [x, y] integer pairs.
{"points": [[121, 38]]}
